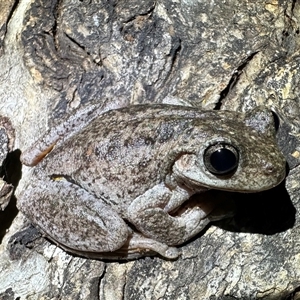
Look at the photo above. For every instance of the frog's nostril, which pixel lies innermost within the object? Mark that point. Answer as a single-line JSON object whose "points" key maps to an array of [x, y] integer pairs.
{"points": [[270, 168]]}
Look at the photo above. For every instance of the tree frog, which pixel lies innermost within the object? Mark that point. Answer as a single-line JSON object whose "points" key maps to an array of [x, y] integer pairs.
{"points": [[119, 186]]}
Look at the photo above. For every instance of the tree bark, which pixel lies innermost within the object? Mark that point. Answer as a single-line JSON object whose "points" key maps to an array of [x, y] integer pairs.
{"points": [[59, 56]]}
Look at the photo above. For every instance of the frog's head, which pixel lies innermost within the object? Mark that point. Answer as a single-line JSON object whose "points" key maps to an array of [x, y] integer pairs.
{"points": [[240, 154]]}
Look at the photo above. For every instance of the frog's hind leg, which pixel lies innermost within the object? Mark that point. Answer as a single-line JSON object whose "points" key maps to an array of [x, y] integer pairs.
{"points": [[73, 218]]}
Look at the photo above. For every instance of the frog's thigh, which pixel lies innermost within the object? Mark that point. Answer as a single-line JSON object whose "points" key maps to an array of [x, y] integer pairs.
{"points": [[150, 214], [73, 217]]}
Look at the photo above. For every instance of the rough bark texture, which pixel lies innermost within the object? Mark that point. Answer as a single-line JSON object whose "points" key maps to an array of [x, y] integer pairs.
{"points": [[57, 56]]}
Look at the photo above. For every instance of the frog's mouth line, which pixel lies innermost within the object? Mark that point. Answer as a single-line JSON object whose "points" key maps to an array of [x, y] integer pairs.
{"points": [[194, 185]]}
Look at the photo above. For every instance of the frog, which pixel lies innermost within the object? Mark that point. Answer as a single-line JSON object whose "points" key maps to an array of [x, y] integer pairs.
{"points": [[120, 185]]}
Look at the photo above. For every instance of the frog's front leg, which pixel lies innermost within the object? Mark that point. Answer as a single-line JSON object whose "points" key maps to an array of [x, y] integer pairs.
{"points": [[158, 214], [72, 217]]}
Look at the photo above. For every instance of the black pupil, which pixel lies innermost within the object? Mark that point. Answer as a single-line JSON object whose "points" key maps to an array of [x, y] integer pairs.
{"points": [[223, 161]]}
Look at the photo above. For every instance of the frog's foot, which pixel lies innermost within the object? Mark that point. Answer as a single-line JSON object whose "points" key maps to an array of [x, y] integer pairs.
{"points": [[137, 243], [135, 247]]}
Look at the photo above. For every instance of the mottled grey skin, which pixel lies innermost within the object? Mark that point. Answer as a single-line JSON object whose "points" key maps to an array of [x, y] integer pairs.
{"points": [[117, 187]]}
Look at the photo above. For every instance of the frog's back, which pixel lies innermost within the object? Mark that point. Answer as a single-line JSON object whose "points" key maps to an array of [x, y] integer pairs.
{"points": [[124, 152], [143, 147]]}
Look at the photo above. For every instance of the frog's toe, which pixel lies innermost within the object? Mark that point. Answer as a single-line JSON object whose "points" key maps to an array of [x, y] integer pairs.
{"points": [[171, 253]]}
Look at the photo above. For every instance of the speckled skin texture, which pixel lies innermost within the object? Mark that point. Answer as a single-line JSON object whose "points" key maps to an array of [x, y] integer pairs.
{"points": [[116, 188]]}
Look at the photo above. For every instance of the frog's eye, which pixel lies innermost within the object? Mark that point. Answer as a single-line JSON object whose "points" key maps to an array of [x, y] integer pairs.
{"points": [[221, 159]]}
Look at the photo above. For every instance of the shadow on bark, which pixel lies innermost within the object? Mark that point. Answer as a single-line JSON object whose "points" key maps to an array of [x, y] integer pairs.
{"points": [[267, 212], [11, 172]]}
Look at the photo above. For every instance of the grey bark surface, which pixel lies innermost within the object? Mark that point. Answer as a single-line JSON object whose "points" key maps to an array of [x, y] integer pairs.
{"points": [[59, 56]]}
